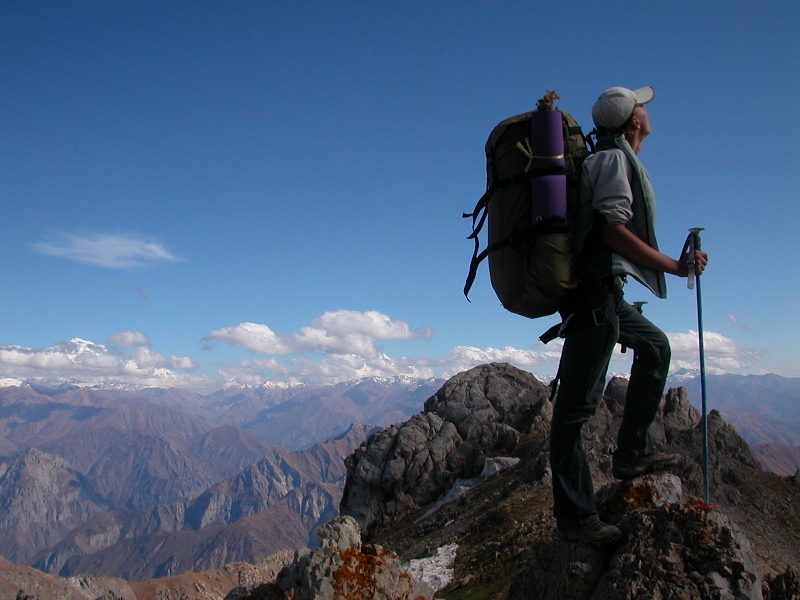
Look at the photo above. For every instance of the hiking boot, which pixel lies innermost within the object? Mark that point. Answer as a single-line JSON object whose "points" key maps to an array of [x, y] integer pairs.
{"points": [[627, 465], [591, 531]]}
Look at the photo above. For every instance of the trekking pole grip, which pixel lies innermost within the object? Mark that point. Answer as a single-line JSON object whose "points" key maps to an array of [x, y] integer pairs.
{"points": [[692, 243], [696, 235]]}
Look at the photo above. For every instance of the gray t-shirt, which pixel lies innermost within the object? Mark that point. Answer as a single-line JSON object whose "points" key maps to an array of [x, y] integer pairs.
{"points": [[608, 177]]}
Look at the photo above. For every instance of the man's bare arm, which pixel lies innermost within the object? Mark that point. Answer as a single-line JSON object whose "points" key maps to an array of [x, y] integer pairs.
{"points": [[622, 241]]}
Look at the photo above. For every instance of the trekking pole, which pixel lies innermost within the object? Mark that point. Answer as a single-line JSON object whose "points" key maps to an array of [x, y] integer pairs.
{"points": [[693, 243]]}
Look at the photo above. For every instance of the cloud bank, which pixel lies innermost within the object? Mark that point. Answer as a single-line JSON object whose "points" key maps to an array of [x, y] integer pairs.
{"points": [[722, 354], [343, 345], [83, 361], [338, 346]]}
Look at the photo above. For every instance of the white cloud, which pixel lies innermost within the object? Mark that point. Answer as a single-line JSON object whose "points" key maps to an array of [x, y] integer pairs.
{"points": [[331, 368], [462, 358], [75, 355], [721, 353], [129, 339], [342, 345], [345, 339], [105, 250], [347, 343], [339, 332], [371, 323], [255, 337], [183, 363]]}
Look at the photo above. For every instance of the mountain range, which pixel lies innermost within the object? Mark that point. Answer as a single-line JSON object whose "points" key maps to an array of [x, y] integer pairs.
{"points": [[151, 483], [145, 483]]}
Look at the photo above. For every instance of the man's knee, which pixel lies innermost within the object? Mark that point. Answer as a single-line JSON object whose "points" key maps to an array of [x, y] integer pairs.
{"points": [[654, 351], [661, 343]]}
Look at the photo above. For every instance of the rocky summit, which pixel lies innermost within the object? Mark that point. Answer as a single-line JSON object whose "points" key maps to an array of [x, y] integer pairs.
{"points": [[746, 545], [455, 503]]}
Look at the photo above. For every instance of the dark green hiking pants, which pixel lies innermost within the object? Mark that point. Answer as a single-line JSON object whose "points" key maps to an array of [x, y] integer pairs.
{"points": [[584, 363]]}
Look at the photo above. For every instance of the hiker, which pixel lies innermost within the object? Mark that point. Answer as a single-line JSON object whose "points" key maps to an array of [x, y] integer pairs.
{"points": [[613, 238]]}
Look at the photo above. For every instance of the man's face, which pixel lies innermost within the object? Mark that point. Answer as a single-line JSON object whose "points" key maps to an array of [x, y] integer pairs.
{"points": [[640, 115]]}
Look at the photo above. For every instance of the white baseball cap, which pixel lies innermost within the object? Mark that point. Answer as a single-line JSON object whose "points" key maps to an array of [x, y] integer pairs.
{"points": [[615, 106]]}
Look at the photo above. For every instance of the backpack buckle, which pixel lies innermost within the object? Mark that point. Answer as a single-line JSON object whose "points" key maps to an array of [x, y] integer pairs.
{"points": [[599, 316]]}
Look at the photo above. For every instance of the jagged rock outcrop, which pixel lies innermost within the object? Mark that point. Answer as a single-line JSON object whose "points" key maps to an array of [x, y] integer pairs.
{"points": [[478, 413], [342, 568], [504, 529]]}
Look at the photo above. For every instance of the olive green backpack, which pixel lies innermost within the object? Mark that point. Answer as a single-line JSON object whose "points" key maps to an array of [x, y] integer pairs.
{"points": [[530, 262]]}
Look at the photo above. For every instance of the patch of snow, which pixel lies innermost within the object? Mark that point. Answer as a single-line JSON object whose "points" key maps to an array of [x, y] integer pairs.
{"points": [[434, 571]]}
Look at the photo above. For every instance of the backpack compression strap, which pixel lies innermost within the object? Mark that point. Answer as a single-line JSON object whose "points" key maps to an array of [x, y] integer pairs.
{"points": [[477, 259], [520, 240], [481, 211]]}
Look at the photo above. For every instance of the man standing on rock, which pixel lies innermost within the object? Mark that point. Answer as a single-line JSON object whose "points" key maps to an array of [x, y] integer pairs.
{"points": [[613, 237]]}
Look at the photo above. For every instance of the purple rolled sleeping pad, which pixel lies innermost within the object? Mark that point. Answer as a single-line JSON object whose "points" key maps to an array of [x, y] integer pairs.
{"points": [[548, 192]]}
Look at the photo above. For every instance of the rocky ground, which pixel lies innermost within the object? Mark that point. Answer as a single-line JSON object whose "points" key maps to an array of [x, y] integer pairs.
{"points": [[504, 526]]}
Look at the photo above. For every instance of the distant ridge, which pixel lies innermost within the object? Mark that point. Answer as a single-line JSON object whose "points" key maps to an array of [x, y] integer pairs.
{"points": [[51, 386], [768, 395]]}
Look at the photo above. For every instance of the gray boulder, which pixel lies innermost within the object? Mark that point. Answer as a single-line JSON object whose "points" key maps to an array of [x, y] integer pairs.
{"points": [[479, 413]]}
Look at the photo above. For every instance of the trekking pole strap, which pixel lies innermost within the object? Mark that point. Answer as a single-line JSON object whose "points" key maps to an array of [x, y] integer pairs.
{"points": [[554, 385]]}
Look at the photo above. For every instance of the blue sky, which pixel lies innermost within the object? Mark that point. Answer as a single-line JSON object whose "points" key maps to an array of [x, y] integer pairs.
{"points": [[199, 193]]}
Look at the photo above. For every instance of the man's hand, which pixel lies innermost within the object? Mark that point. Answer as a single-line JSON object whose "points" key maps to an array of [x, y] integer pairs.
{"points": [[700, 262]]}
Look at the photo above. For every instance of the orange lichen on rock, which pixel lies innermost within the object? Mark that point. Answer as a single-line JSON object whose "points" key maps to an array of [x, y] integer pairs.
{"points": [[361, 573]]}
